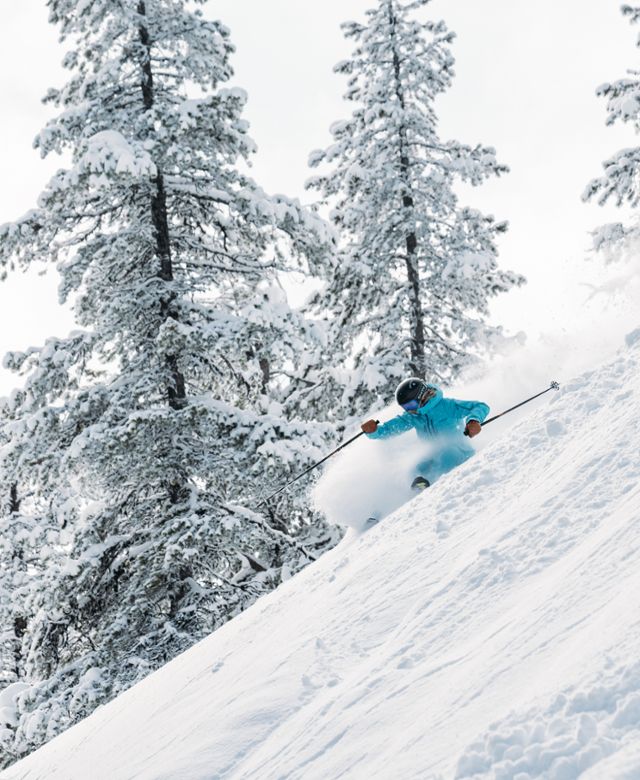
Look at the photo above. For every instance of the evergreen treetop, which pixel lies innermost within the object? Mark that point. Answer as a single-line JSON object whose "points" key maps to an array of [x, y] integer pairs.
{"points": [[409, 291], [621, 177]]}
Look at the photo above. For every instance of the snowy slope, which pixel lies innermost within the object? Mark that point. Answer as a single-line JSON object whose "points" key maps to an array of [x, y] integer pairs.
{"points": [[490, 628]]}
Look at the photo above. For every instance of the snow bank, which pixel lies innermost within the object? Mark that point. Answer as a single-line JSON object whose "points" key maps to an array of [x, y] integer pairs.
{"points": [[487, 629]]}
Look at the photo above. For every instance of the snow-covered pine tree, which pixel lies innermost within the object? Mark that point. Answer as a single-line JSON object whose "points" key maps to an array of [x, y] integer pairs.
{"points": [[25, 556], [409, 289], [621, 179], [14, 533], [146, 434]]}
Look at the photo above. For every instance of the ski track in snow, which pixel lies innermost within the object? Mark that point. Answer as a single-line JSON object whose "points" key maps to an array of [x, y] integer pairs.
{"points": [[488, 629]]}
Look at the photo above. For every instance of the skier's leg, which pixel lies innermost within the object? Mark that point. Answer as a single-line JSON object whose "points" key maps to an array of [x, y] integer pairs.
{"points": [[452, 457], [424, 475]]}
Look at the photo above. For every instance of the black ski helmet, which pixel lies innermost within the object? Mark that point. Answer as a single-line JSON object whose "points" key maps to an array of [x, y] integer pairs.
{"points": [[410, 389]]}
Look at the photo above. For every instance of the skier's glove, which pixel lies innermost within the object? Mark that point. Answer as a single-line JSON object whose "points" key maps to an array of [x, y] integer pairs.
{"points": [[473, 428], [370, 426]]}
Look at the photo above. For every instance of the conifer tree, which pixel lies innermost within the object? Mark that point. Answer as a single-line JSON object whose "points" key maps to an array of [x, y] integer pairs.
{"points": [[24, 557], [14, 533], [409, 290], [143, 436], [621, 179]]}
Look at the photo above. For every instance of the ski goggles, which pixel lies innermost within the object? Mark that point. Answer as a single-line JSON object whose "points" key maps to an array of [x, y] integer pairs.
{"points": [[415, 403]]}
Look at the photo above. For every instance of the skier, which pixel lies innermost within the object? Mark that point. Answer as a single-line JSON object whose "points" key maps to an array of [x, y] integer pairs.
{"points": [[440, 420]]}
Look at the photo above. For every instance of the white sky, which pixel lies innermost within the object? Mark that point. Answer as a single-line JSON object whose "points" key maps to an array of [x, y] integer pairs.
{"points": [[526, 79]]}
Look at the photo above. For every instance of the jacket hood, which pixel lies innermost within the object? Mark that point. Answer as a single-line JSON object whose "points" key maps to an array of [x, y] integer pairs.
{"points": [[433, 401]]}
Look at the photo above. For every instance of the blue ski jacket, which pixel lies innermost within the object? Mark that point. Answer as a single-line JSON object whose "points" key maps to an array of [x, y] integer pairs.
{"points": [[442, 421]]}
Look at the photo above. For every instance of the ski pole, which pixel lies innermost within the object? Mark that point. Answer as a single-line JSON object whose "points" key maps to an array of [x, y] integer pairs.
{"points": [[552, 386], [311, 468]]}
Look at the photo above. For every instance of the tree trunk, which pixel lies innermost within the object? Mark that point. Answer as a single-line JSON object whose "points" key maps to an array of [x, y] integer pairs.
{"points": [[19, 621], [176, 392], [417, 364], [14, 501]]}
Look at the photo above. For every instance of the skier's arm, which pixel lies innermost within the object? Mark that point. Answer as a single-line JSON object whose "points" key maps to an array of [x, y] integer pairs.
{"points": [[469, 411], [394, 427]]}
